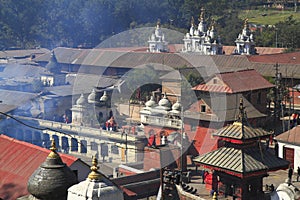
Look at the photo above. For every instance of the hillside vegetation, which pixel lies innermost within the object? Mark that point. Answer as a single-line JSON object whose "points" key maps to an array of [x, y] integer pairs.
{"points": [[86, 23]]}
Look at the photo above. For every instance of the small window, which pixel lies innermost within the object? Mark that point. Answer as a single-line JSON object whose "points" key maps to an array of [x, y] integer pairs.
{"points": [[215, 81], [203, 108]]}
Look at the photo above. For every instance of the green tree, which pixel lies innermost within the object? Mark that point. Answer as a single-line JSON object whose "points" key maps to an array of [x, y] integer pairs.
{"points": [[19, 21]]}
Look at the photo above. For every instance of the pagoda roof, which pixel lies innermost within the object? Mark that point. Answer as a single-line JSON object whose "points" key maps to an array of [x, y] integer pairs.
{"points": [[241, 132], [242, 162]]}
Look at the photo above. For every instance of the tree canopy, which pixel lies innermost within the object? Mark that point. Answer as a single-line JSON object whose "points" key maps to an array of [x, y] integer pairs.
{"points": [[85, 23]]}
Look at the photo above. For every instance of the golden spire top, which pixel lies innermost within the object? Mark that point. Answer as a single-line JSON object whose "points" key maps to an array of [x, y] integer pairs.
{"points": [[158, 23], [192, 21], [242, 117], [53, 153], [215, 197], [94, 175], [202, 14], [246, 23], [213, 23]]}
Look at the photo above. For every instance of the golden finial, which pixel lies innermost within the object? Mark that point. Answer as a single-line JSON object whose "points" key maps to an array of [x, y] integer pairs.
{"points": [[158, 23], [246, 23], [213, 22], [53, 153], [202, 14], [94, 175], [192, 21], [242, 112], [215, 197]]}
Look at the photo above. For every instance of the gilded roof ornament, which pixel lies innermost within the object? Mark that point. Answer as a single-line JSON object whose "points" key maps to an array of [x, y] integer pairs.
{"points": [[94, 175], [201, 18], [192, 22], [246, 23], [242, 115], [53, 153]]}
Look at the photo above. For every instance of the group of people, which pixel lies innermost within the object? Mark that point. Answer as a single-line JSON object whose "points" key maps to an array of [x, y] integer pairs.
{"points": [[110, 124], [291, 171]]}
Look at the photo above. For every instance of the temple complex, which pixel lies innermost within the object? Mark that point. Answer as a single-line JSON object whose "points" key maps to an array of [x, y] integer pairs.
{"points": [[245, 44], [202, 39], [157, 41], [240, 163]]}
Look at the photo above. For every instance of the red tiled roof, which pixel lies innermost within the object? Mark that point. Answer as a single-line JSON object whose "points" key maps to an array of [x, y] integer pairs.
{"points": [[259, 50], [213, 88], [280, 58], [237, 81], [291, 136], [18, 160]]}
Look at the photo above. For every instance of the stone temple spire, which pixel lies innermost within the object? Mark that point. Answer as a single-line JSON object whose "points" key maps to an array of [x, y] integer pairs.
{"points": [[95, 187], [52, 179]]}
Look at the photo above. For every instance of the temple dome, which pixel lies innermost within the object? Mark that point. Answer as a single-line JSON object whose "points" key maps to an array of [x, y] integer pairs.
{"points": [[104, 97], [81, 100], [95, 187], [151, 103], [92, 97], [52, 179], [176, 107], [164, 102]]}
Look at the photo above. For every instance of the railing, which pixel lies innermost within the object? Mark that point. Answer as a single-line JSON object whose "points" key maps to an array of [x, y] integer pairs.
{"points": [[84, 131], [162, 121]]}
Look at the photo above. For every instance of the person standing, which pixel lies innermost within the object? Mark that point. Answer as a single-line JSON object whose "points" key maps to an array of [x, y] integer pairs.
{"points": [[290, 173], [298, 173]]}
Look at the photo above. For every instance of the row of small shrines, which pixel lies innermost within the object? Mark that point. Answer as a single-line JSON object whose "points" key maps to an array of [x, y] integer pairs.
{"points": [[204, 40]]}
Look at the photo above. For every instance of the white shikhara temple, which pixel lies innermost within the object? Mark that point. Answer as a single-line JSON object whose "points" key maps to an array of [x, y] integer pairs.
{"points": [[157, 41], [202, 39], [245, 44]]}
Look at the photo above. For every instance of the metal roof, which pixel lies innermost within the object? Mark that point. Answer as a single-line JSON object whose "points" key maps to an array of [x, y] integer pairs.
{"points": [[18, 160], [242, 161], [223, 108], [241, 132], [236, 81], [22, 52], [291, 136], [13, 99]]}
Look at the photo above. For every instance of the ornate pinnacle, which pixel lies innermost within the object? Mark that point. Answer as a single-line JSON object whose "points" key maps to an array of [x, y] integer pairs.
{"points": [[192, 21], [202, 14], [242, 117], [246, 23], [53, 153], [94, 175]]}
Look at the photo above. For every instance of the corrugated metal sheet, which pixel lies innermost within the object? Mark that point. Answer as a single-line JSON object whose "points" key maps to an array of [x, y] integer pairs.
{"points": [[236, 81], [18, 160], [280, 58], [223, 108], [244, 80], [237, 131], [22, 53], [291, 136], [242, 161]]}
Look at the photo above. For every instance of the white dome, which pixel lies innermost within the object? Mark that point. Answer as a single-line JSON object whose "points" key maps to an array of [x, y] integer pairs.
{"points": [[176, 106], [164, 102], [151, 103], [104, 97], [81, 100], [95, 187], [92, 97]]}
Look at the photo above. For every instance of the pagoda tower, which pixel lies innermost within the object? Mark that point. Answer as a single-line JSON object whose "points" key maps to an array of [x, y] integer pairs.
{"points": [[240, 162]]}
